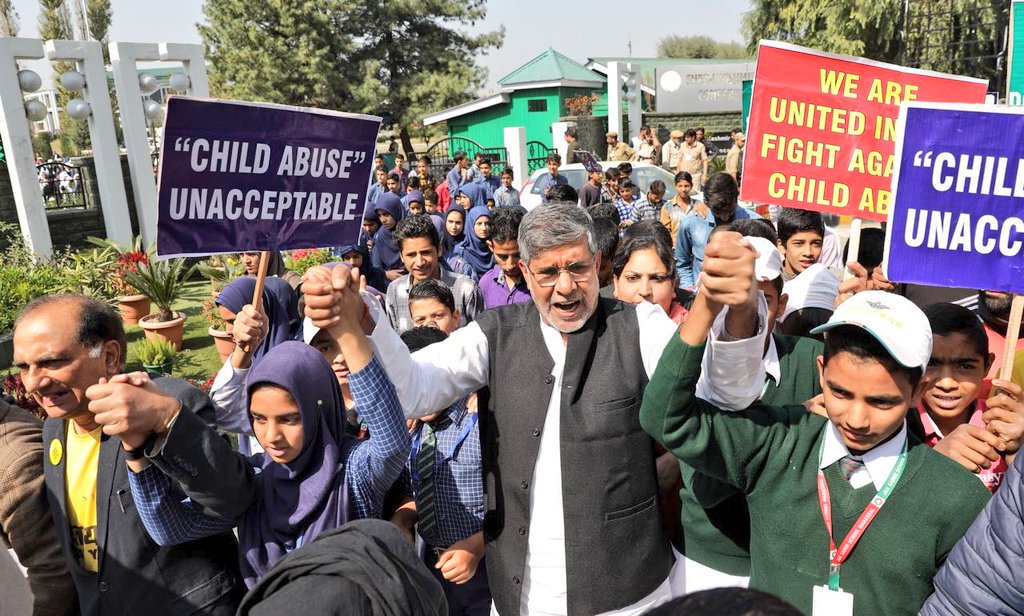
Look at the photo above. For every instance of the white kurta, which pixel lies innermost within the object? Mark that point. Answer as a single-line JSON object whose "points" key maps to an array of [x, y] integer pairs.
{"points": [[434, 377]]}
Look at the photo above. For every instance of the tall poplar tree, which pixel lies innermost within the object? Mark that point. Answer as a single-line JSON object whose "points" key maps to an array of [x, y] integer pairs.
{"points": [[401, 59], [9, 22]]}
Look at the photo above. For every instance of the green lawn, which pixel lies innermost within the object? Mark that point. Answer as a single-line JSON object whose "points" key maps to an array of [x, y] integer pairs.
{"points": [[198, 357]]}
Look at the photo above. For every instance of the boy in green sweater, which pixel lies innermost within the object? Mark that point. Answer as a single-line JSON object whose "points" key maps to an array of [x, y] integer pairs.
{"points": [[809, 480], [713, 514]]}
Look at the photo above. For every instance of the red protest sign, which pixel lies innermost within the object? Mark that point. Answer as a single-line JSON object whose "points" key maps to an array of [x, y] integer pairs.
{"points": [[822, 127]]}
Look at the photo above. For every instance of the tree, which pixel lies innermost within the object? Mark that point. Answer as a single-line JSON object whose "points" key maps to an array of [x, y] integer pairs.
{"points": [[99, 14], [699, 47], [400, 59], [955, 36], [414, 60], [866, 28], [278, 51], [9, 22]]}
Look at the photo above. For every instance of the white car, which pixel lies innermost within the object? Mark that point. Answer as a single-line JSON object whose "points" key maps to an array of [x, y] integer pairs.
{"points": [[643, 174]]}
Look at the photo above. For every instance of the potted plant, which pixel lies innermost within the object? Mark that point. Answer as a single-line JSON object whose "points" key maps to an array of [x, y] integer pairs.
{"points": [[221, 270], [162, 282], [157, 356], [218, 330], [132, 304]]}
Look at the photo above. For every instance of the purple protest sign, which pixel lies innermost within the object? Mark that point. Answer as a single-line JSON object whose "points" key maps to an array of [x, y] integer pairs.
{"points": [[957, 215], [237, 176]]}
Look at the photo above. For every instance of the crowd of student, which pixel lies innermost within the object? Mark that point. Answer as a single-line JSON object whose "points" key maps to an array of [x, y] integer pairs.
{"points": [[595, 407]]}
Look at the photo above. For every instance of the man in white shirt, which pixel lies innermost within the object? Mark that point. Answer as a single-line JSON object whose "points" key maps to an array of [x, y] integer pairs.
{"points": [[572, 523]]}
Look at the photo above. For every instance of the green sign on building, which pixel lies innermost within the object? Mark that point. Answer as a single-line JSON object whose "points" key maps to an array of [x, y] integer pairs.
{"points": [[1015, 63]]}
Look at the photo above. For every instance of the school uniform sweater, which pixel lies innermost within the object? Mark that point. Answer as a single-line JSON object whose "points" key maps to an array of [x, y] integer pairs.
{"points": [[775, 463], [714, 516]]}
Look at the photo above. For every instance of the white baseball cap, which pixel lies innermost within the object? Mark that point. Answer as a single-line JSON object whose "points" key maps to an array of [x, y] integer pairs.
{"points": [[893, 320], [768, 265]]}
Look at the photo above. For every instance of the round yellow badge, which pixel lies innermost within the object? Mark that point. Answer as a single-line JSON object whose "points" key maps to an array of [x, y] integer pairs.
{"points": [[56, 451]]}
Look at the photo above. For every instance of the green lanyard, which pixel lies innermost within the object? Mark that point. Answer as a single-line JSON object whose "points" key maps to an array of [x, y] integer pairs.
{"points": [[838, 556]]}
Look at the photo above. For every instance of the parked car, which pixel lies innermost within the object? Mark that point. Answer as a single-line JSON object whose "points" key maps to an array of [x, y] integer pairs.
{"points": [[643, 175]]}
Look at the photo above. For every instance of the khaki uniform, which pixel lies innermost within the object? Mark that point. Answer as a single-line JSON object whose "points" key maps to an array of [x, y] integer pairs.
{"points": [[619, 151], [646, 153], [733, 160], [670, 155], [691, 160]]}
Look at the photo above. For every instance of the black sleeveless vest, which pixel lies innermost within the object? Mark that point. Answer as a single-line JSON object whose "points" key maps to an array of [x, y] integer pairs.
{"points": [[616, 551]]}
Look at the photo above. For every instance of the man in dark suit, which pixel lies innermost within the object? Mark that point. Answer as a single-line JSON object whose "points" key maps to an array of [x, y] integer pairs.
{"points": [[70, 350]]}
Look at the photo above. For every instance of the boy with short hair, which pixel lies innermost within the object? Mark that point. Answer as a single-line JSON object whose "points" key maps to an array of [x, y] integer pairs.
{"points": [[473, 170], [430, 203], [504, 284], [590, 193], [982, 436], [801, 233], [399, 169], [606, 237], [488, 181], [419, 247], [610, 190], [432, 303], [551, 178], [394, 184], [809, 480], [378, 188], [650, 208], [506, 194], [624, 204], [446, 471]]}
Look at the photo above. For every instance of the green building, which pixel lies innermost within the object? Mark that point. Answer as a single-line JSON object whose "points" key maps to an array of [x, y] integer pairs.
{"points": [[532, 96]]}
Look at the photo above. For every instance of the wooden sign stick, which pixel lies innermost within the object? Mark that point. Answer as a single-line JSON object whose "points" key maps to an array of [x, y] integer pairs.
{"points": [[853, 247], [261, 278], [1012, 332]]}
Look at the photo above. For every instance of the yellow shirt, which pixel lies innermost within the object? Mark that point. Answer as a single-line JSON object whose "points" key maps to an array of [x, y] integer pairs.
{"points": [[83, 454]]}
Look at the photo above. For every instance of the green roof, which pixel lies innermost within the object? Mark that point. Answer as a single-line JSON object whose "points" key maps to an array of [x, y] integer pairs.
{"points": [[550, 66]]}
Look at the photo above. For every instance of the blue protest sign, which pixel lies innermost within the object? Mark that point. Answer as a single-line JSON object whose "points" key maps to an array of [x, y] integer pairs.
{"points": [[237, 176], [589, 162], [957, 215]]}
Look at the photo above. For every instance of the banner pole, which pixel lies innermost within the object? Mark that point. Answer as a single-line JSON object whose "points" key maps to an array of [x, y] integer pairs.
{"points": [[1012, 333], [853, 246], [261, 277]]}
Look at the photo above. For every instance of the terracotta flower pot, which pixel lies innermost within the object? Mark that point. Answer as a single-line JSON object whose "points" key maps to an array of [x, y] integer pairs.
{"points": [[172, 330], [133, 308], [224, 342]]}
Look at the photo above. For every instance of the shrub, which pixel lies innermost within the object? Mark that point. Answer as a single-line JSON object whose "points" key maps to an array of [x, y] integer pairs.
{"points": [[154, 352], [14, 391], [305, 258]]}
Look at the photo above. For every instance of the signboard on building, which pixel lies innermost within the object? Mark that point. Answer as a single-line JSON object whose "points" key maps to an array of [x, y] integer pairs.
{"points": [[691, 87]]}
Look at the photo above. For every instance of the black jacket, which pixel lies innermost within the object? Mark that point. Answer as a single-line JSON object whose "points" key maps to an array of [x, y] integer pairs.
{"points": [[137, 576]]}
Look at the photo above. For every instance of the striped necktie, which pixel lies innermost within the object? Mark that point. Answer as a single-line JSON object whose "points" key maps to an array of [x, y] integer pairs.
{"points": [[425, 466], [848, 466]]}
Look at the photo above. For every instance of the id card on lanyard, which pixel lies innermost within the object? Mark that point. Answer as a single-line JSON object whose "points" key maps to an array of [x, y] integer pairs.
{"points": [[831, 599]]}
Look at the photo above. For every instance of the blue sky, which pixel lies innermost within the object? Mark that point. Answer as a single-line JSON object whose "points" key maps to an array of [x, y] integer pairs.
{"points": [[577, 28]]}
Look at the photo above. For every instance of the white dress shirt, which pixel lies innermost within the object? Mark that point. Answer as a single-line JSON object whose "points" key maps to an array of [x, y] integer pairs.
{"points": [[434, 377], [878, 462]]}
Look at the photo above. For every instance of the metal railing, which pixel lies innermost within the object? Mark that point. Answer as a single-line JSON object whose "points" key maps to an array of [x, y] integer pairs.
{"points": [[62, 186]]}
